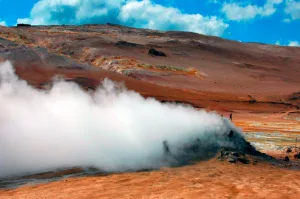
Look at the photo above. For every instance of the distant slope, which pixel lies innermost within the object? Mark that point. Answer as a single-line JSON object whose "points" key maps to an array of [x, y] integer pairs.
{"points": [[200, 70]]}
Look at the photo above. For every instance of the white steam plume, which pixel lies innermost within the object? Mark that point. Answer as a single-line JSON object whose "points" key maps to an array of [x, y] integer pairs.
{"points": [[112, 129]]}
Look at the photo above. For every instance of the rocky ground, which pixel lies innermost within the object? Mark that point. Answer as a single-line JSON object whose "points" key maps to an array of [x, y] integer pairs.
{"points": [[258, 83]]}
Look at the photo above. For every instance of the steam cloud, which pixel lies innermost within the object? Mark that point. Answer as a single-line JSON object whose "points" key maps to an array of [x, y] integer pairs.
{"points": [[112, 129]]}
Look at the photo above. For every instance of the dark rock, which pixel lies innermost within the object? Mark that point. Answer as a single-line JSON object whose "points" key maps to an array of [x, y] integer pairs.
{"points": [[232, 159], [288, 150], [287, 159], [251, 150], [154, 52], [243, 160], [297, 156], [23, 25], [236, 154], [233, 156]]}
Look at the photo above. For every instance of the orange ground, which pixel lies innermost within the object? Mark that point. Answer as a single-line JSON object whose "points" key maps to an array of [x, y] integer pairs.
{"points": [[258, 83], [211, 179]]}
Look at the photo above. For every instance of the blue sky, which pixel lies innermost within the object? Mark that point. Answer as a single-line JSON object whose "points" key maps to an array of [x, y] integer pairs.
{"points": [[265, 21]]}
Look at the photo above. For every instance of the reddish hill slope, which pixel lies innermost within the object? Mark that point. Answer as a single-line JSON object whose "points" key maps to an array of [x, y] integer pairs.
{"points": [[201, 70]]}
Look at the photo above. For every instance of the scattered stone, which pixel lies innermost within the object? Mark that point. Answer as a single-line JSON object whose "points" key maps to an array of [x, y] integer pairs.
{"points": [[233, 156], [154, 52], [231, 159]]}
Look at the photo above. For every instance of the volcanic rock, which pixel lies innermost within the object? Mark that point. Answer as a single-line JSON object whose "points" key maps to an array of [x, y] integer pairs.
{"points": [[233, 156], [287, 159], [231, 159], [154, 52], [288, 149], [243, 160]]}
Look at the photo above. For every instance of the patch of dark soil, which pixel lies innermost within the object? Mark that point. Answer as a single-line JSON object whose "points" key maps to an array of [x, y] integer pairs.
{"points": [[173, 42], [4, 43], [295, 96], [184, 35], [58, 61], [22, 55], [45, 177], [54, 174], [155, 34], [256, 67], [125, 44]]}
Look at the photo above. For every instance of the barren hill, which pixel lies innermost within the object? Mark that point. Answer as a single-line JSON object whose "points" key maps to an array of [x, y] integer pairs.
{"points": [[259, 83], [200, 70]]}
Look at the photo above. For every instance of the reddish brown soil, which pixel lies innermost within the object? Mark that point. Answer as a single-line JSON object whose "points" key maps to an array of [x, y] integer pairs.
{"points": [[259, 83], [214, 73], [212, 179]]}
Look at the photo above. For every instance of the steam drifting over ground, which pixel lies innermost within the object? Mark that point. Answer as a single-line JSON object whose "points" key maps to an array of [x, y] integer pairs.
{"points": [[112, 129]]}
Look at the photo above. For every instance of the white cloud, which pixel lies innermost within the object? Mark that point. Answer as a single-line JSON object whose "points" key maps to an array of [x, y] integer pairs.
{"points": [[294, 43], [243, 12], [236, 12], [290, 43], [144, 14], [3, 23], [49, 12], [149, 15], [293, 9]]}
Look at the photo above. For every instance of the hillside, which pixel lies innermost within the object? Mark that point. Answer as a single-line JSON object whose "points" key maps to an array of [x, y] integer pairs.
{"points": [[206, 72], [258, 83]]}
